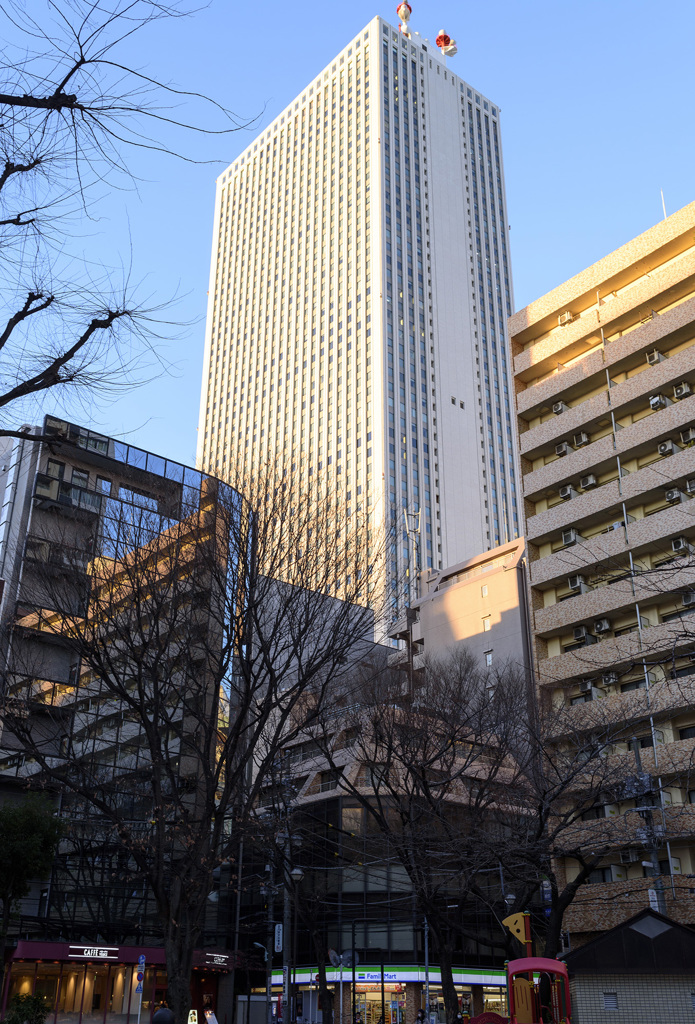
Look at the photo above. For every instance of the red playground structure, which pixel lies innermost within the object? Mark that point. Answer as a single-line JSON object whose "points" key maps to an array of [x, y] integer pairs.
{"points": [[538, 991]]}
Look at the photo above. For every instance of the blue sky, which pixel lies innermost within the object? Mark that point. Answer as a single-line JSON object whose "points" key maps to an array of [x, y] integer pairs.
{"points": [[597, 102]]}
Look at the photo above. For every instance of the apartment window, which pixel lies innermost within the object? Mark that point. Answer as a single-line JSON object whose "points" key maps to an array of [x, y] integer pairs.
{"points": [[80, 478], [55, 469], [687, 733], [329, 780], [488, 659], [486, 624], [610, 1000], [483, 590]]}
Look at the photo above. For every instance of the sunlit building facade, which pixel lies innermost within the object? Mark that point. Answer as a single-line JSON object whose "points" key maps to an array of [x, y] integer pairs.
{"points": [[359, 290], [605, 375]]}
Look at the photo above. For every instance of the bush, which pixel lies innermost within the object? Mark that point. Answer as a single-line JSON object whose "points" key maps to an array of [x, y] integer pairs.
{"points": [[27, 1010]]}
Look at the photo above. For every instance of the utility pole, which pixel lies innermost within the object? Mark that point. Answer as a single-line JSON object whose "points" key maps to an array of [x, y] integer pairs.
{"points": [[427, 969], [270, 897], [286, 932], [648, 816]]}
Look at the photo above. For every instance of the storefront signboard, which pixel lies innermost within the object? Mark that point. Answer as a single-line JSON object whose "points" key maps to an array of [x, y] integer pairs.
{"points": [[93, 952]]}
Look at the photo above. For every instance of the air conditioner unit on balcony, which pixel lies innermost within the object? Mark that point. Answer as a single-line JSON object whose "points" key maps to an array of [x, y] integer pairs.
{"points": [[570, 537], [581, 438], [688, 435], [681, 545], [585, 482], [610, 678], [565, 318], [581, 632], [653, 357], [667, 448], [688, 599], [658, 402], [602, 626], [562, 449], [682, 390], [566, 492], [585, 685], [673, 495], [576, 582], [629, 856], [690, 485], [559, 408]]}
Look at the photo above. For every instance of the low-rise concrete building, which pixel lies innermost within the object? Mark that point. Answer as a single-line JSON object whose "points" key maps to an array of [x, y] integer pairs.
{"points": [[640, 970]]}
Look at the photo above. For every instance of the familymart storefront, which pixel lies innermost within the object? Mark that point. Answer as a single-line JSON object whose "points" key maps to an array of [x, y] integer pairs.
{"points": [[95, 984], [479, 989]]}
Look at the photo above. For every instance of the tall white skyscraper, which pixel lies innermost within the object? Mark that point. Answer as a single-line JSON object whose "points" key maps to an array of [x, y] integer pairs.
{"points": [[359, 291]]}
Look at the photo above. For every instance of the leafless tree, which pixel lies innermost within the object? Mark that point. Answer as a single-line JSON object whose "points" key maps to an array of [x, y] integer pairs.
{"points": [[207, 633], [426, 766], [72, 116], [482, 798]]}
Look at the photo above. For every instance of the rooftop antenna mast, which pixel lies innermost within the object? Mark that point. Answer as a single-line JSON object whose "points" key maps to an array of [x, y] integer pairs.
{"points": [[404, 10], [663, 204], [412, 529]]}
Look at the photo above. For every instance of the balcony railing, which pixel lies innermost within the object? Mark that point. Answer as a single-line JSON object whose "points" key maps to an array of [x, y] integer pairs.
{"points": [[59, 492], [48, 552]]}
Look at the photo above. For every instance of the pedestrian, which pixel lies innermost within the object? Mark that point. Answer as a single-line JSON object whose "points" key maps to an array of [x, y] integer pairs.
{"points": [[163, 1015], [421, 1017]]}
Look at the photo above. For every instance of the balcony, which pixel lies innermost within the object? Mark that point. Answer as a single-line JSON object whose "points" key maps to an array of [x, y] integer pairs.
{"points": [[628, 396], [56, 555], [635, 441], [47, 624], [611, 903], [665, 699], [656, 642], [662, 586], [48, 693], [605, 548], [52, 493], [619, 314], [569, 382], [600, 503]]}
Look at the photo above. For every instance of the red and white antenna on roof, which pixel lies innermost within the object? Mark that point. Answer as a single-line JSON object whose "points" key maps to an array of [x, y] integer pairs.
{"points": [[404, 10], [446, 44]]}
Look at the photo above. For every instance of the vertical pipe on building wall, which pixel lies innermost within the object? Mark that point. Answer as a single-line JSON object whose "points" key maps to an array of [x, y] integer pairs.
{"points": [[652, 729]]}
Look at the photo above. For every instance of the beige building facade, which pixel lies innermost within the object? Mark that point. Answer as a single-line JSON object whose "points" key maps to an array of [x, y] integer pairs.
{"points": [[480, 603], [604, 370]]}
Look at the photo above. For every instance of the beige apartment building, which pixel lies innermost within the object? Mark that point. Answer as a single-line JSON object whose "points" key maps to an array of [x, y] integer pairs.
{"points": [[604, 369]]}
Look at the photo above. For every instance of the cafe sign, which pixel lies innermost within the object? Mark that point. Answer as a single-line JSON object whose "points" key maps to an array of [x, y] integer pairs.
{"points": [[93, 952]]}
